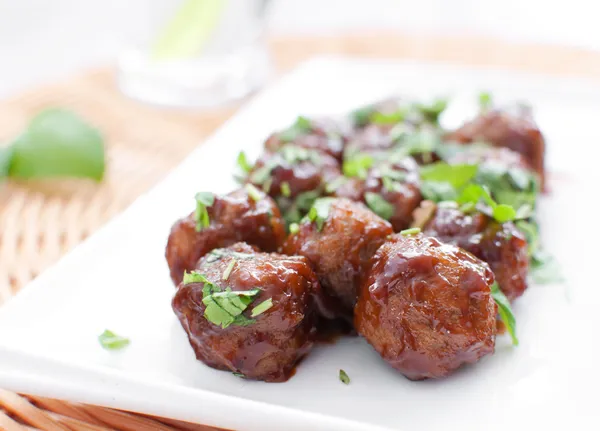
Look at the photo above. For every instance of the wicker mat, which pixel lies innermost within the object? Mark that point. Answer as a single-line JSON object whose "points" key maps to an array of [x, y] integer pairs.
{"points": [[39, 222]]}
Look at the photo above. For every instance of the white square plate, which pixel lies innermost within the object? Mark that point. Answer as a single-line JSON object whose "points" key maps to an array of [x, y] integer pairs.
{"points": [[118, 280]]}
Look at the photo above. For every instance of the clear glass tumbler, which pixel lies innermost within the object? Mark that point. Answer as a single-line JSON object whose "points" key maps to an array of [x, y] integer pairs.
{"points": [[196, 53]]}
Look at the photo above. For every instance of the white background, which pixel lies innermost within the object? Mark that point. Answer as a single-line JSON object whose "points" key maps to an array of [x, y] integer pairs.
{"points": [[44, 39]]}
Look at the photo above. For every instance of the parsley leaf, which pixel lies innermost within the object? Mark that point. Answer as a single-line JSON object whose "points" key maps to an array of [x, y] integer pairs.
{"points": [[386, 119], [194, 277], [438, 191], [301, 126], [203, 201], [505, 311], [262, 307], [432, 111], [344, 377], [411, 231], [320, 212], [229, 268], [253, 192], [456, 175], [57, 143], [243, 163], [335, 184], [473, 193], [362, 116], [5, 159], [485, 101], [294, 228], [357, 165], [285, 189], [225, 307], [545, 269], [111, 341], [379, 205]]}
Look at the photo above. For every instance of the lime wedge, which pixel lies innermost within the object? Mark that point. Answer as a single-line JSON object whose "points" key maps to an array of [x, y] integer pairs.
{"points": [[189, 30]]}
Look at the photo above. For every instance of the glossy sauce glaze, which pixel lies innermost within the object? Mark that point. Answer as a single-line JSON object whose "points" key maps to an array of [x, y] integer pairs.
{"points": [[512, 128], [268, 348], [234, 217], [501, 245], [426, 307], [340, 251]]}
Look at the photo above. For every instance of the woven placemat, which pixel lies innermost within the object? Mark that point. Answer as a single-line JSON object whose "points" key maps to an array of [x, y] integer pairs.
{"points": [[40, 221]]}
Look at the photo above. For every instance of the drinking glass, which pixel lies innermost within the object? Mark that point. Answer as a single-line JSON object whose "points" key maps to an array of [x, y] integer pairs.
{"points": [[196, 53]]}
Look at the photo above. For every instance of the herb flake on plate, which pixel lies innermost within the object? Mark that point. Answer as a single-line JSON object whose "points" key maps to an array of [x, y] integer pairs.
{"points": [[505, 312], [111, 341], [344, 378]]}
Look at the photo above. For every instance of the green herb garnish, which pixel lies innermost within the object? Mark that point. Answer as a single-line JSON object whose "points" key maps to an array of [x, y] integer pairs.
{"points": [[203, 201], [545, 269], [362, 116], [344, 377], [242, 162], [505, 311], [240, 375], [319, 212], [56, 143], [225, 307], [432, 111], [294, 228], [193, 277], [301, 126], [485, 101], [411, 231], [335, 184], [111, 341], [358, 165], [473, 193], [253, 192], [379, 205], [262, 307], [285, 189], [456, 175], [387, 119], [229, 268], [219, 253]]}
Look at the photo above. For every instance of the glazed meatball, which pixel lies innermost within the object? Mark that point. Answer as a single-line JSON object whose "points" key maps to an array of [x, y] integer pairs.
{"points": [[248, 312], [391, 191], [241, 215], [514, 129], [501, 245], [338, 241], [321, 134], [294, 177], [426, 307]]}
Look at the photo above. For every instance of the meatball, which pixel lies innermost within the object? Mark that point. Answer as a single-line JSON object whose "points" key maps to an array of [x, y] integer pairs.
{"points": [[391, 191], [243, 215], [339, 237], [514, 129], [501, 245], [248, 312], [295, 177], [322, 134], [485, 155], [426, 307]]}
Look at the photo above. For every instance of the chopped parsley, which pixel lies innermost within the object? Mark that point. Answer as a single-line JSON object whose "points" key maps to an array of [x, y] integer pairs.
{"points": [[362, 116], [505, 311], [388, 119], [294, 228], [432, 111], [301, 126], [193, 277], [335, 184], [545, 269], [262, 307], [225, 307], [229, 268], [240, 375], [319, 212], [473, 193], [456, 175], [485, 101], [219, 253], [379, 205], [242, 162], [357, 165], [411, 231], [344, 377], [253, 192], [203, 201], [285, 189], [111, 341]]}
